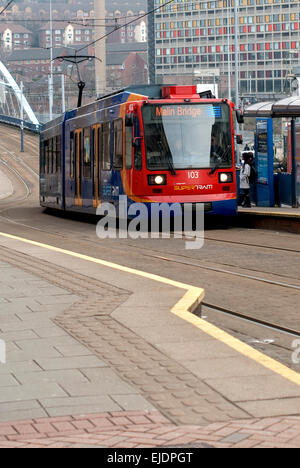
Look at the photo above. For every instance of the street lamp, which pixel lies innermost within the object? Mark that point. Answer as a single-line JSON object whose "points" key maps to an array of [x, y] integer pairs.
{"points": [[51, 65], [228, 46]]}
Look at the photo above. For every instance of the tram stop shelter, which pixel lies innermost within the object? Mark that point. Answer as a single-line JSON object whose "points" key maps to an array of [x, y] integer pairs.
{"points": [[288, 108]]}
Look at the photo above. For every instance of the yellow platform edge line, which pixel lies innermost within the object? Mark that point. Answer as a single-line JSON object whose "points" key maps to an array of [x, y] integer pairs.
{"points": [[184, 309]]}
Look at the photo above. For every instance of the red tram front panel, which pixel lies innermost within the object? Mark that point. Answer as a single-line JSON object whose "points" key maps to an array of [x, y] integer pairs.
{"points": [[183, 150]]}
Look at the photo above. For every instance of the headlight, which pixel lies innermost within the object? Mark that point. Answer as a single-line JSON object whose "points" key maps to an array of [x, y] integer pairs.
{"points": [[157, 180], [226, 177]]}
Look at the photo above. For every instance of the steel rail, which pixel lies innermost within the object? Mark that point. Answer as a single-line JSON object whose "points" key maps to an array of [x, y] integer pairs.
{"points": [[253, 320], [228, 272], [260, 246], [18, 175]]}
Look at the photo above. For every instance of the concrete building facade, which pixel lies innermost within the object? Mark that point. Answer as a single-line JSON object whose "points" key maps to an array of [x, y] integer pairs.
{"points": [[196, 39]]}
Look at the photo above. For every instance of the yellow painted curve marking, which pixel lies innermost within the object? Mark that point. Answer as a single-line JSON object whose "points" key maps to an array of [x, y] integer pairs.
{"points": [[184, 309]]}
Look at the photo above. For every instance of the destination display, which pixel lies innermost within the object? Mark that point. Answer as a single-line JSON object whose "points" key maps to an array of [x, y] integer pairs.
{"points": [[186, 111]]}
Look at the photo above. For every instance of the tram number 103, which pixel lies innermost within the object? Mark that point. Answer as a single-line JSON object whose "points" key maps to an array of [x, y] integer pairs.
{"points": [[193, 174]]}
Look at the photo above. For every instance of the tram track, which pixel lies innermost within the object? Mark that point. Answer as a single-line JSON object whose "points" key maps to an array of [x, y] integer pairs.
{"points": [[5, 151], [22, 172], [154, 255], [245, 317], [247, 244], [21, 179]]}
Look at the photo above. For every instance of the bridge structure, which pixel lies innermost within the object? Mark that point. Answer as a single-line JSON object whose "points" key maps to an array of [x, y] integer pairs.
{"points": [[14, 107]]}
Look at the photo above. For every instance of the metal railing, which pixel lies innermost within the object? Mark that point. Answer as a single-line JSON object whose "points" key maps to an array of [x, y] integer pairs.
{"points": [[18, 123]]}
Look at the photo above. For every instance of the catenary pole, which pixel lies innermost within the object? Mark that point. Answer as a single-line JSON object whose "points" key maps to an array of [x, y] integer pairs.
{"points": [[51, 66], [22, 118]]}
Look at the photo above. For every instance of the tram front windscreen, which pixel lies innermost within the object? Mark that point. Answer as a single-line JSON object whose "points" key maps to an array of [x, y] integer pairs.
{"points": [[187, 136]]}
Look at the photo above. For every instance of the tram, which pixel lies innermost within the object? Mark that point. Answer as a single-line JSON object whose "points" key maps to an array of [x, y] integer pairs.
{"points": [[162, 144]]}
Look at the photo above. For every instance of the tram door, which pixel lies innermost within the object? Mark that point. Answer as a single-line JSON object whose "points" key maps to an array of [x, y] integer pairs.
{"points": [[78, 167], [97, 165]]}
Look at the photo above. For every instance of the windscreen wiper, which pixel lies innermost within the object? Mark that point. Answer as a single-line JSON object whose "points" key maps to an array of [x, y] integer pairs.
{"points": [[220, 160], [169, 159], [214, 169], [171, 165]]}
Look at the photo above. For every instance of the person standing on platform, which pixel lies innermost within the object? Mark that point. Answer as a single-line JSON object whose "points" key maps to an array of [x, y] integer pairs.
{"points": [[245, 173]]}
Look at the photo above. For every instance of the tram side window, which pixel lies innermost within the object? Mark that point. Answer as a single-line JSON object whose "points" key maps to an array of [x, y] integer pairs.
{"points": [[106, 147], [50, 171], [118, 144], [128, 148], [87, 170], [138, 164], [58, 154], [99, 138], [47, 157], [44, 150], [72, 155], [54, 155]]}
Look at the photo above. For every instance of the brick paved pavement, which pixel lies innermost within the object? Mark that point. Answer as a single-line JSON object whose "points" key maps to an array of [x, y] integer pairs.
{"points": [[147, 430]]}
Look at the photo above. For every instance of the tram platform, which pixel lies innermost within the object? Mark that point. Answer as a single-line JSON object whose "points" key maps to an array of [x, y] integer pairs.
{"points": [[99, 355], [275, 212], [276, 218]]}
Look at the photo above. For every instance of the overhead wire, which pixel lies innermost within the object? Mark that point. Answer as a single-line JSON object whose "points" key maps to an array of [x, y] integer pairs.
{"points": [[6, 7]]}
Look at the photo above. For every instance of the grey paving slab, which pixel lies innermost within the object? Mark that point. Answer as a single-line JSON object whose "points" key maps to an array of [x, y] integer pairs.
{"points": [[7, 380], [18, 335], [32, 353], [49, 331], [18, 410], [272, 407], [133, 403], [235, 438], [12, 308], [237, 366], [30, 392], [15, 367], [135, 316], [70, 363], [68, 350], [102, 388], [79, 405], [197, 350], [70, 376], [174, 333], [22, 415], [242, 389], [35, 323]]}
